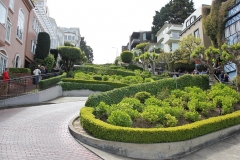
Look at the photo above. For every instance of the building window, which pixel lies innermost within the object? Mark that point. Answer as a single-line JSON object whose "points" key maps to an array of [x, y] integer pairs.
{"points": [[8, 31], [3, 14], [73, 38], [144, 36], [69, 38], [11, 5], [187, 23], [3, 61], [175, 35], [237, 26], [65, 37], [233, 29], [20, 26], [17, 61], [196, 33], [192, 19], [33, 46], [227, 32]]}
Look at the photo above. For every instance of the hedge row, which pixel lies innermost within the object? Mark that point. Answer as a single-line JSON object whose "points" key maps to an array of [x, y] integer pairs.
{"points": [[116, 95], [102, 130], [68, 86], [19, 70], [105, 71], [114, 85], [43, 84]]}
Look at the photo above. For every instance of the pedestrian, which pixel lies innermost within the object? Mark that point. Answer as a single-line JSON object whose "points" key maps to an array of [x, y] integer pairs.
{"points": [[226, 78], [37, 73], [6, 78]]}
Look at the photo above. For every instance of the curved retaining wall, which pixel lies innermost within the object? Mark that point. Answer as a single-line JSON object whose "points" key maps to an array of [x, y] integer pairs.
{"points": [[156, 150]]}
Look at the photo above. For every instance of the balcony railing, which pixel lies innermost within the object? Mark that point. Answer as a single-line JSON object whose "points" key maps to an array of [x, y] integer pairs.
{"points": [[135, 41], [21, 86]]}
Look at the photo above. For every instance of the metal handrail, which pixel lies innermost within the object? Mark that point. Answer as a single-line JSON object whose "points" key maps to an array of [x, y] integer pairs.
{"points": [[21, 85]]}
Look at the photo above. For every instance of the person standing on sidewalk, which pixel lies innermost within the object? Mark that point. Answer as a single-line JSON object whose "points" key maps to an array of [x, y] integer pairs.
{"points": [[6, 78], [37, 73]]}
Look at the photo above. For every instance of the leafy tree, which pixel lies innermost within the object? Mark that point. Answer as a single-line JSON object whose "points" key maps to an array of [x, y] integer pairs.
{"points": [[86, 49], [126, 56], [141, 46], [151, 58], [232, 53], [214, 20], [43, 45], [164, 58], [207, 57], [187, 45], [54, 52], [176, 11], [49, 62], [69, 55]]}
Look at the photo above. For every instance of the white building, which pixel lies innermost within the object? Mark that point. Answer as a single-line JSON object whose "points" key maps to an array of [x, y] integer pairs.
{"points": [[72, 35], [168, 37]]}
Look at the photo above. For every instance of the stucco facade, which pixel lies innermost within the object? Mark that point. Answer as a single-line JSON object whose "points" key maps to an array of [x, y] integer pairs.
{"points": [[168, 37], [13, 34], [194, 25]]}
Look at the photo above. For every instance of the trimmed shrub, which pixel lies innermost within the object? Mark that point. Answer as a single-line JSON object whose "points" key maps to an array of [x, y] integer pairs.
{"points": [[116, 95], [192, 116], [19, 70], [135, 103], [126, 56], [46, 83], [184, 65], [120, 118], [105, 78], [153, 114], [142, 96], [154, 135], [133, 67], [115, 85], [43, 45], [170, 121], [104, 71], [68, 86], [97, 77], [49, 61]]}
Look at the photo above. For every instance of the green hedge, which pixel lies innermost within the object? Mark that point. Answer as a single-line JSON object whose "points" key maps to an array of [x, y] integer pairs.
{"points": [[102, 130], [67, 86], [19, 70], [115, 85], [43, 84], [105, 71], [116, 95], [133, 67]]}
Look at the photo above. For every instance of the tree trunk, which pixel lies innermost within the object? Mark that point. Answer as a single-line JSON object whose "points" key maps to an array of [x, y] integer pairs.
{"points": [[238, 76], [211, 74], [153, 68]]}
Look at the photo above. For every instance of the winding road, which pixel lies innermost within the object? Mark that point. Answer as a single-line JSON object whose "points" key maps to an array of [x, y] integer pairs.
{"points": [[41, 132]]}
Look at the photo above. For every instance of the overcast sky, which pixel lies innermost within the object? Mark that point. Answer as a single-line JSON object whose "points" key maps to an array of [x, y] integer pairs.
{"points": [[107, 23]]}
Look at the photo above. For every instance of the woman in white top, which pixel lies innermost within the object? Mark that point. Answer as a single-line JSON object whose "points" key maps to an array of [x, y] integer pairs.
{"points": [[37, 73]]}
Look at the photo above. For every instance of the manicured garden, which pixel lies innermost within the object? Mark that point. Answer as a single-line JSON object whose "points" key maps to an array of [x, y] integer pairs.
{"points": [[157, 112], [169, 109]]}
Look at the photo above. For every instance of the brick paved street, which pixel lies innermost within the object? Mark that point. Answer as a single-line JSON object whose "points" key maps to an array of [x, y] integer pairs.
{"points": [[41, 132]]}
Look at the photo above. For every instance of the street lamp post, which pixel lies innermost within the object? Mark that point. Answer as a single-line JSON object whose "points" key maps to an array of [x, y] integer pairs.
{"points": [[116, 51]]}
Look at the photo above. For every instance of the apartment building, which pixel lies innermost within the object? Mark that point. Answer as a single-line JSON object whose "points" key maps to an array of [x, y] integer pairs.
{"points": [[14, 23], [39, 22], [138, 37], [232, 33], [193, 25], [71, 35], [168, 37]]}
